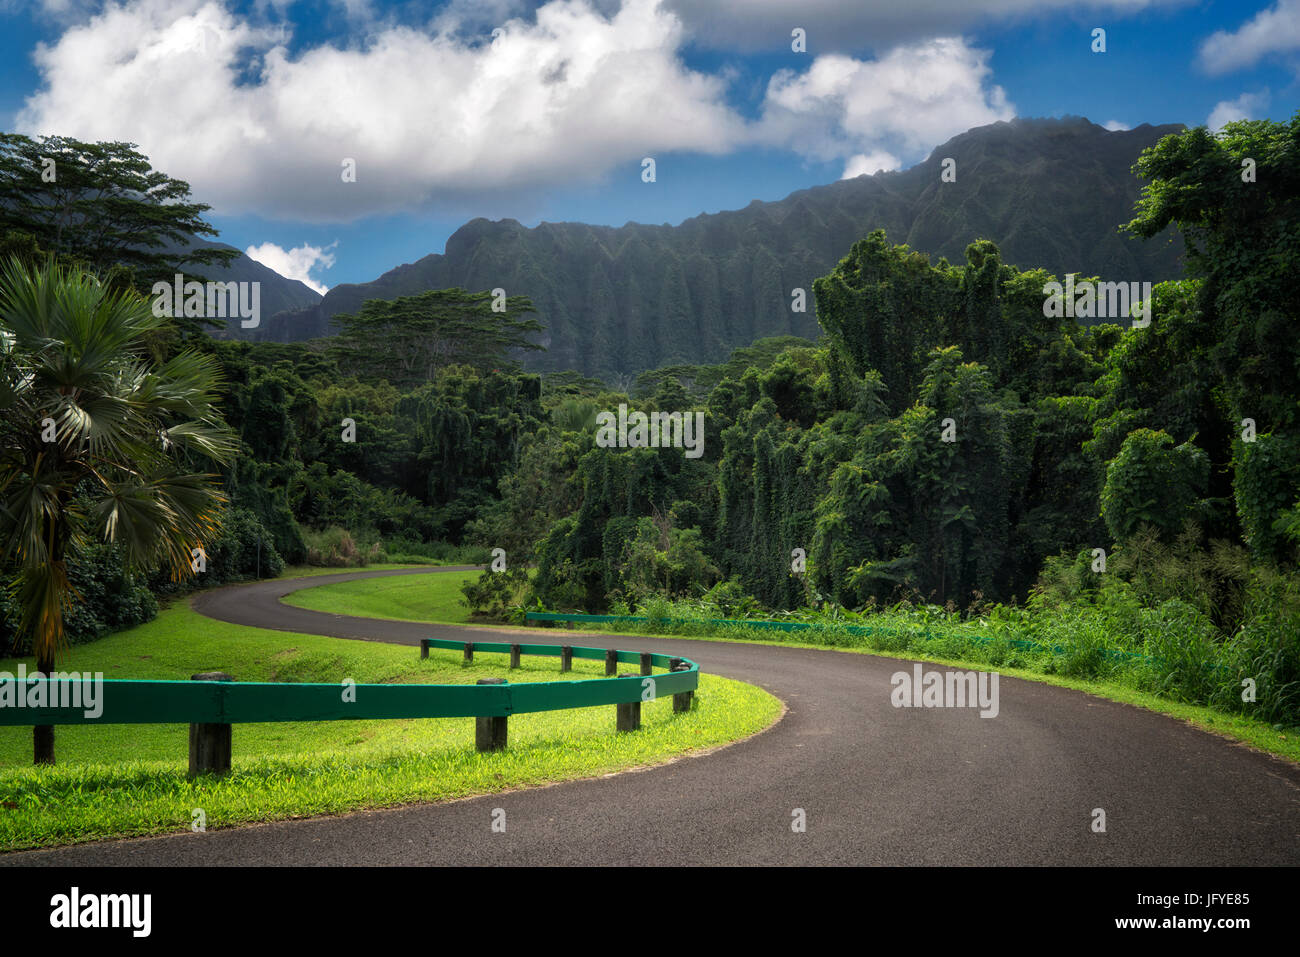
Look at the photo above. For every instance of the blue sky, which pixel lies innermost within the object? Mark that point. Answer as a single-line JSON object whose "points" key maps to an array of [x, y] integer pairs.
{"points": [[258, 105]]}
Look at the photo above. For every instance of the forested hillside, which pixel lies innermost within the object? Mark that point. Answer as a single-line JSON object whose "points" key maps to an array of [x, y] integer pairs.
{"points": [[623, 300], [1137, 487]]}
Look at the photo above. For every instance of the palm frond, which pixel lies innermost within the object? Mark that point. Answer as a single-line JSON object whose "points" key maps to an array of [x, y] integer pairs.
{"points": [[127, 434]]}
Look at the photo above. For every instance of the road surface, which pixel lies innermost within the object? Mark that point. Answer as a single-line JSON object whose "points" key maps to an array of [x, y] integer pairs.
{"points": [[876, 784]]}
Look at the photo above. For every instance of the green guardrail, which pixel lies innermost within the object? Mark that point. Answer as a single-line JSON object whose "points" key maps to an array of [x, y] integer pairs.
{"points": [[125, 701], [211, 703]]}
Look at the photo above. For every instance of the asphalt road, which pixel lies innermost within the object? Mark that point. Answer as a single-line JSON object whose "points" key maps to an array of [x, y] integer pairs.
{"points": [[877, 784]]}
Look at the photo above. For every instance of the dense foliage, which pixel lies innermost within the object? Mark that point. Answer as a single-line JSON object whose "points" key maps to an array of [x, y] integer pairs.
{"points": [[943, 444], [949, 443]]}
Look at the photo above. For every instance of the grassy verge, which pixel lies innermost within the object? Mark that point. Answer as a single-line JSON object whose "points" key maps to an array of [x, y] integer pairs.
{"points": [[957, 648], [952, 644], [404, 598], [312, 571], [129, 780]]}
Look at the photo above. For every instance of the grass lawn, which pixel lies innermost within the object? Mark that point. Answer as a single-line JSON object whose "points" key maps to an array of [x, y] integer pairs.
{"points": [[433, 597], [428, 598], [125, 780], [312, 571]]}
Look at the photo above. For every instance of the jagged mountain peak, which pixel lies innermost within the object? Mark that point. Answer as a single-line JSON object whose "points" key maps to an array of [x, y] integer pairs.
{"points": [[1050, 192]]}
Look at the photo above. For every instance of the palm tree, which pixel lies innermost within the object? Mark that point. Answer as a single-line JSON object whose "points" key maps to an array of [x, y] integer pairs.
{"points": [[99, 440]]}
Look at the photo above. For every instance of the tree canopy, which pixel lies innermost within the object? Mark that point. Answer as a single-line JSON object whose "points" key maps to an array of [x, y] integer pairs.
{"points": [[103, 205], [406, 340]]}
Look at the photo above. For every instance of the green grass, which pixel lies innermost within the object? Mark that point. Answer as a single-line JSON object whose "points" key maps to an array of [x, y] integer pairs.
{"points": [[434, 597], [128, 780], [311, 571]]}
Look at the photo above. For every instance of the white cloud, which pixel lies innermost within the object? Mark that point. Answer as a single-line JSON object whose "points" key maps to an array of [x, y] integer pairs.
{"points": [[296, 263], [548, 102], [1275, 30], [1248, 106], [1116, 126], [450, 114], [869, 163], [869, 111]]}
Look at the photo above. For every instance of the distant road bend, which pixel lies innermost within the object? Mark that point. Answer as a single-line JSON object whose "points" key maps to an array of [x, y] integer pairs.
{"points": [[877, 784]]}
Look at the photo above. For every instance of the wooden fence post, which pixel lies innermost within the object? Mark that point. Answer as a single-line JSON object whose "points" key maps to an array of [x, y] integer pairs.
{"points": [[210, 743], [681, 700], [424, 648], [611, 662], [469, 651], [646, 666], [514, 656], [628, 714], [566, 658], [490, 732]]}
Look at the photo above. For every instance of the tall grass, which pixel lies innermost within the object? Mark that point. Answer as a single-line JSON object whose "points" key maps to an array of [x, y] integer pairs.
{"points": [[1169, 647], [337, 547]]}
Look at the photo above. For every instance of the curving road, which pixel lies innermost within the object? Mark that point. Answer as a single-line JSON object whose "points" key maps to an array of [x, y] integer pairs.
{"points": [[878, 784]]}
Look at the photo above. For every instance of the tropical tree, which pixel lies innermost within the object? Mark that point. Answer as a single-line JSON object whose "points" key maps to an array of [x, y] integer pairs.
{"points": [[97, 441], [408, 339], [104, 205]]}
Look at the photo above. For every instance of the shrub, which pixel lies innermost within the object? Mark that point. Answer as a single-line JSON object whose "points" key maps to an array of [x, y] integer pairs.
{"points": [[242, 550], [106, 598], [496, 595], [334, 548], [728, 599]]}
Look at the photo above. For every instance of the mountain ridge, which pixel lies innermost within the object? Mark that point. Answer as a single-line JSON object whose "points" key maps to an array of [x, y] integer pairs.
{"points": [[617, 300], [279, 294]]}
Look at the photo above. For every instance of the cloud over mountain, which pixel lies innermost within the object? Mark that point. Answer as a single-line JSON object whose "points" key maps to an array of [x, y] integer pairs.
{"points": [[560, 98]]}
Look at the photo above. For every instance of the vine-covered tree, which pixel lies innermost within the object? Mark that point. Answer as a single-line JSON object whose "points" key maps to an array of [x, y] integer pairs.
{"points": [[1235, 196]]}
